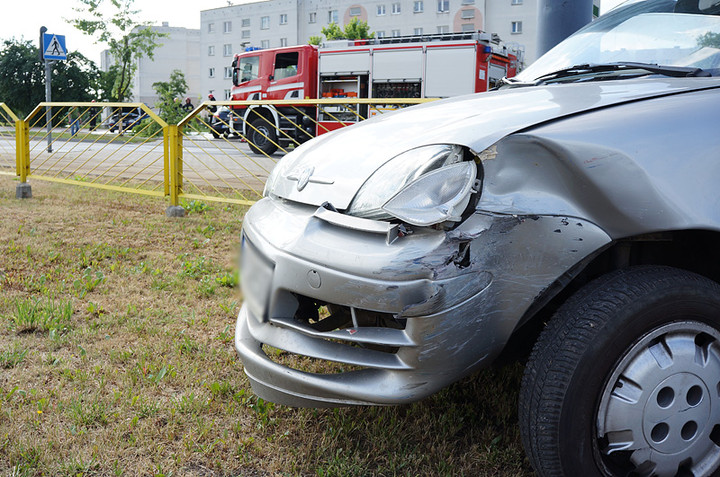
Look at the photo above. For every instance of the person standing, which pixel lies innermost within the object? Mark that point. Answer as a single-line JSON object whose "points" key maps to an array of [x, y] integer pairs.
{"points": [[93, 112], [188, 106]]}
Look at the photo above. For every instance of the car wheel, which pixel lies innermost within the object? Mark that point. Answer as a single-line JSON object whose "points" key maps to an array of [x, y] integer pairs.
{"points": [[263, 138], [215, 135], [625, 379]]}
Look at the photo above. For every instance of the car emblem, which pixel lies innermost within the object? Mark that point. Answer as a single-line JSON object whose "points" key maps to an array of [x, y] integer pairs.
{"points": [[305, 177]]}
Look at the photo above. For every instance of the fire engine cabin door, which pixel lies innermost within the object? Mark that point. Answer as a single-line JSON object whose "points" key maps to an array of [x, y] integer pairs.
{"points": [[450, 71], [286, 80]]}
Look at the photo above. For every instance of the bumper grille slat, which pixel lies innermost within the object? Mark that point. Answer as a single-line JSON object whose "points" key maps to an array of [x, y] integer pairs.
{"points": [[301, 344], [363, 335]]}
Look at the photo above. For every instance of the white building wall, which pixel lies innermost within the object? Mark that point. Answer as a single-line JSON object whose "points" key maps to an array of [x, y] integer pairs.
{"points": [[179, 51]]}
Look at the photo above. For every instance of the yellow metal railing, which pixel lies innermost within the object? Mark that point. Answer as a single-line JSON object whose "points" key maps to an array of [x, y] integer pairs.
{"points": [[126, 147], [115, 146], [8, 141]]}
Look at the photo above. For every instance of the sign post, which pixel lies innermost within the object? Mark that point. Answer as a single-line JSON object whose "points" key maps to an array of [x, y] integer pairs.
{"points": [[52, 48]]}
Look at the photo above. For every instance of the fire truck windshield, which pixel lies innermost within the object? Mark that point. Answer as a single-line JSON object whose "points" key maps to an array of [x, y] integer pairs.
{"points": [[248, 68]]}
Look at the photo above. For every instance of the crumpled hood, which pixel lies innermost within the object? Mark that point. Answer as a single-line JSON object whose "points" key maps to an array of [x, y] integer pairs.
{"points": [[333, 167]]}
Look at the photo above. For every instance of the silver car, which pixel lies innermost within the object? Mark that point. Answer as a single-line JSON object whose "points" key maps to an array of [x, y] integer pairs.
{"points": [[573, 212]]}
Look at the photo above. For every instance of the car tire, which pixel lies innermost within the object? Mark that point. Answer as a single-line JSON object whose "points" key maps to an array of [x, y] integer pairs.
{"points": [[262, 137], [215, 135], [625, 379]]}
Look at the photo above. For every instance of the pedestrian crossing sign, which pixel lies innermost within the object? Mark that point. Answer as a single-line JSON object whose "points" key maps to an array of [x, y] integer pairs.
{"points": [[54, 47]]}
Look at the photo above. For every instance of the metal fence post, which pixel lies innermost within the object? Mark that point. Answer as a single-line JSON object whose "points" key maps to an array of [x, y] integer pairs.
{"points": [[22, 159], [173, 173]]}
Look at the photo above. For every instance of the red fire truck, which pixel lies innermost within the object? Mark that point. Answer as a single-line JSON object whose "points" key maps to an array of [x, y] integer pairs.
{"points": [[427, 66]]}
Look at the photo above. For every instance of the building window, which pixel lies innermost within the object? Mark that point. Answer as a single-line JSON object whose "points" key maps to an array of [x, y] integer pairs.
{"points": [[211, 28], [333, 16], [227, 27], [283, 41], [443, 6], [418, 6], [228, 72], [396, 8], [313, 17], [443, 29], [227, 50], [245, 22], [467, 27], [418, 31], [211, 50], [466, 14], [516, 2], [516, 27], [227, 94], [380, 34], [395, 33], [355, 11], [246, 33], [211, 72], [264, 23], [265, 44], [381, 10], [283, 18]]}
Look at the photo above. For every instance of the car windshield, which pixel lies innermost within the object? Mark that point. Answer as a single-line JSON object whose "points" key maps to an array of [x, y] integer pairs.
{"points": [[682, 33]]}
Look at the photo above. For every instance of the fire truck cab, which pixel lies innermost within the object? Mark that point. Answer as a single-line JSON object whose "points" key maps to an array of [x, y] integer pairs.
{"points": [[426, 66]]}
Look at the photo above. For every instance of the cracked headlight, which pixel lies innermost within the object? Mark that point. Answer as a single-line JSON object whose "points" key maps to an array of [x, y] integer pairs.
{"points": [[423, 186]]}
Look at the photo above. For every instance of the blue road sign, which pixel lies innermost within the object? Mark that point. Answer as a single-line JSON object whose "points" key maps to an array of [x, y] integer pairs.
{"points": [[54, 47]]}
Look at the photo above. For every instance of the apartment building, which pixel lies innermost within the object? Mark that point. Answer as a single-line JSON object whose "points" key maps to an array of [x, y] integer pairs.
{"points": [[274, 23], [180, 50]]}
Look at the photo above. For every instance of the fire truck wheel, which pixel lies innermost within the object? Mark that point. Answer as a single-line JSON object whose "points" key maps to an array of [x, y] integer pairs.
{"points": [[263, 138]]}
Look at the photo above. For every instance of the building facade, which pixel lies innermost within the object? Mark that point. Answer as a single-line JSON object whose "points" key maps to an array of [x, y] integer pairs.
{"points": [[275, 23], [180, 50]]}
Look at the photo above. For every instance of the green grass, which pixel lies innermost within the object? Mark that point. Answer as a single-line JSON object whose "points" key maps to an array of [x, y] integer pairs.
{"points": [[117, 358]]}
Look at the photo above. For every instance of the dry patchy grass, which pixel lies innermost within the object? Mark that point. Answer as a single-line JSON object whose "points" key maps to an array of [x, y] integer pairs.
{"points": [[116, 358]]}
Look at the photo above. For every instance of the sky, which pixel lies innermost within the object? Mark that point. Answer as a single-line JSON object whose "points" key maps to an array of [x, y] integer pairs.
{"points": [[24, 19]]}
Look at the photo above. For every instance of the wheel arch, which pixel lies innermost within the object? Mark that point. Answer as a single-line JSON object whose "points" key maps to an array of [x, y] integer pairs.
{"points": [[693, 250], [258, 111]]}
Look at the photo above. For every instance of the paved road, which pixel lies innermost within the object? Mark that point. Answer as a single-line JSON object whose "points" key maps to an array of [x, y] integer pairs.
{"points": [[210, 164]]}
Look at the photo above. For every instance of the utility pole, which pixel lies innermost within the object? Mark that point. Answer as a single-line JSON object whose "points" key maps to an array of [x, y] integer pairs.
{"points": [[559, 19], [48, 88]]}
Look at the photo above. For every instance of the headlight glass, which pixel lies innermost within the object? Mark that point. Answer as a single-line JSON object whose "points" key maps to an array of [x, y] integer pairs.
{"points": [[438, 196], [423, 186]]}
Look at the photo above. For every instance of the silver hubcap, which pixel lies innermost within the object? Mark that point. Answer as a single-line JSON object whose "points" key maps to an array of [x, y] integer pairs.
{"points": [[661, 407]]}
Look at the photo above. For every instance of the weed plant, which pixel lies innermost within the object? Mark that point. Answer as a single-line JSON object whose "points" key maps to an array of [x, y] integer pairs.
{"points": [[117, 358]]}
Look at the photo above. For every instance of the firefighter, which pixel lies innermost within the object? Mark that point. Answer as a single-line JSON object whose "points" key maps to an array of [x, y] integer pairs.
{"points": [[212, 108]]}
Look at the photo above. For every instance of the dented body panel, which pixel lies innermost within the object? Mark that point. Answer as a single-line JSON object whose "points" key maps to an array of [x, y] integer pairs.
{"points": [[451, 305]]}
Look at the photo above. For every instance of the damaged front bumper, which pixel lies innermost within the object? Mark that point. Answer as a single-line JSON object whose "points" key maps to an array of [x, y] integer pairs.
{"points": [[338, 312]]}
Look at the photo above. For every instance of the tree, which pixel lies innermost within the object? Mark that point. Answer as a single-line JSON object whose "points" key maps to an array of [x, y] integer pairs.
{"points": [[333, 31], [75, 79], [358, 30], [127, 38], [22, 77], [168, 105], [709, 39], [355, 30]]}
